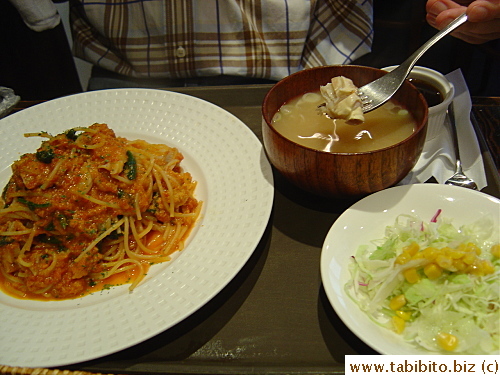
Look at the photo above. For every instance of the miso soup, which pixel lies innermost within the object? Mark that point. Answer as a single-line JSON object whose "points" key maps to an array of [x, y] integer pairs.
{"points": [[300, 121]]}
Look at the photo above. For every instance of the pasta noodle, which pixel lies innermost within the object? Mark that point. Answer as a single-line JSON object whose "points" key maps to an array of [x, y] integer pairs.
{"points": [[90, 209]]}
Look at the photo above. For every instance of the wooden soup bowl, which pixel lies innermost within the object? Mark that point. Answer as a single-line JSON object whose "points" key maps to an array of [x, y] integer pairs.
{"points": [[341, 175]]}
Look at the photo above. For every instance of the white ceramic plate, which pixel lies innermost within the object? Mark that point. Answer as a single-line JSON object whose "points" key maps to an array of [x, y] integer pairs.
{"points": [[234, 182], [365, 221]]}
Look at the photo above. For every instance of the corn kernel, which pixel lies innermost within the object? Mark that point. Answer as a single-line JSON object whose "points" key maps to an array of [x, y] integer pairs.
{"points": [[405, 315], [459, 265], [473, 247], [456, 254], [418, 255], [411, 275], [430, 253], [432, 271], [444, 262], [403, 258], [469, 258], [495, 250], [446, 250], [487, 266], [398, 324], [447, 341], [397, 302], [475, 268], [412, 248]]}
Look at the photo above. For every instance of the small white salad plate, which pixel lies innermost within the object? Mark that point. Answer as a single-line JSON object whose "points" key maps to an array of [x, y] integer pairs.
{"points": [[235, 183], [365, 221]]}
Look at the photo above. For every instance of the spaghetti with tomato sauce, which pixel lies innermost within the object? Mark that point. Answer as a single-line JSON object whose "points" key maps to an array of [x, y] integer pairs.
{"points": [[90, 209]]}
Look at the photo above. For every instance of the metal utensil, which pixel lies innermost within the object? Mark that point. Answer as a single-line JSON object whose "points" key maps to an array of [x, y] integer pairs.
{"points": [[459, 178], [377, 92]]}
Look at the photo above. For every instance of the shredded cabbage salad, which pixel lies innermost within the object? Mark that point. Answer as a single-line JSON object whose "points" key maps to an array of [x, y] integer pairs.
{"points": [[435, 284]]}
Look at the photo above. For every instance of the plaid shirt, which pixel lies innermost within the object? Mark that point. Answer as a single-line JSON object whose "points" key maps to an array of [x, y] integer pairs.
{"points": [[191, 38]]}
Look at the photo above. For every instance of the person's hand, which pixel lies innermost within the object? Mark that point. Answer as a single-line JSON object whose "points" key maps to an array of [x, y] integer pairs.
{"points": [[483, 18]]}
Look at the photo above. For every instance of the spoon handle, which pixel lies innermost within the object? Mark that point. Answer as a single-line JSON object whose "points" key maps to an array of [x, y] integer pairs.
{"points": [[453, 125]]}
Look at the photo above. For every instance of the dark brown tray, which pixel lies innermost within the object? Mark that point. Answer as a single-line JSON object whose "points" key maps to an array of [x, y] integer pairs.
{"points": [[274, 317]]}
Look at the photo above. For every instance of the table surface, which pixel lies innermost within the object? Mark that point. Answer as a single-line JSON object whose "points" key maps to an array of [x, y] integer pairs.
{"points": [[274, 316]]}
